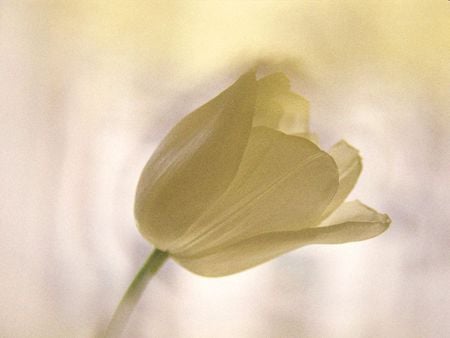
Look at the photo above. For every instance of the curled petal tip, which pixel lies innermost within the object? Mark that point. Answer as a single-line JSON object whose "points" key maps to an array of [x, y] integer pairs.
{"points": [[344, 143], [386, 220]]}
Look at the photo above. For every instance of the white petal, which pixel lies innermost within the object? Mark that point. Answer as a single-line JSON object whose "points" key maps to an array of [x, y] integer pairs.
{"points": [[278, 108], [351, 222], [195, 163], [284, 183], [354, 211], [349, 165]]}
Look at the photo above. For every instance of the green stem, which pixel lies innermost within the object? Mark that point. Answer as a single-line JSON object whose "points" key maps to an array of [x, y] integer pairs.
{"points": [[134, 292]]}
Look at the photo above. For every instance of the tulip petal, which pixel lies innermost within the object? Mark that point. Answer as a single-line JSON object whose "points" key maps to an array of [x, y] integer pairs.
{"points": [[353, 221], [195, 163], [284, 183], [349, 165], [278, 108]]}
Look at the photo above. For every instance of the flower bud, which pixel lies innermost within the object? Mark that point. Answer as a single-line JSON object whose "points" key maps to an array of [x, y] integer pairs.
{"points": [[239, 181]]}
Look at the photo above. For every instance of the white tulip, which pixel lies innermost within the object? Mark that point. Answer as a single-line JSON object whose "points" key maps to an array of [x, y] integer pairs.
{"points": [[238, 182]]}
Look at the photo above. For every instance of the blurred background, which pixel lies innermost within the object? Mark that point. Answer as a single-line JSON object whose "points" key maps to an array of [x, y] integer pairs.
{"points": [[89, 88]]}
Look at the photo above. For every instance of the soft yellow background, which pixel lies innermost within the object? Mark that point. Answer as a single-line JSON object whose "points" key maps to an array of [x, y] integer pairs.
{"points": [[88, 89]]}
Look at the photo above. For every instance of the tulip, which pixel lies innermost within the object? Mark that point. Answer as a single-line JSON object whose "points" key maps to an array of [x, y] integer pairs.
{"points": [[239, 181]]}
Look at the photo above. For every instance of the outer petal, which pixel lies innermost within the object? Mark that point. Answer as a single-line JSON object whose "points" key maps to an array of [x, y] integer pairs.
{"points": [[195, 163], [355, 211], [278, 108], [284, 183], [349, 165], [351, 222]]}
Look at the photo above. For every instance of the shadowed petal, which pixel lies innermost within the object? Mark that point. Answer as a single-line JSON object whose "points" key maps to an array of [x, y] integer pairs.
{"points": [[195, 163], [353, 221], [349, 165], [278, 108]]}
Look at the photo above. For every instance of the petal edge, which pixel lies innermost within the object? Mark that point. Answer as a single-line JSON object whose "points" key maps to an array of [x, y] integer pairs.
{"points": [[226, 260]]}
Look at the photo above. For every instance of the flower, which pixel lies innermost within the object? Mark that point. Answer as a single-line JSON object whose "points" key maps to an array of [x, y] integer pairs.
{"points": [[238, 182]]}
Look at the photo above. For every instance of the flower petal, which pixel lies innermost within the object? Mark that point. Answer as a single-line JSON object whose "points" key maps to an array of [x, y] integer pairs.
{"points": [[195, 163], [284, 183], [354, 211], [278, 108], [349, 165], [353, 221]]}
